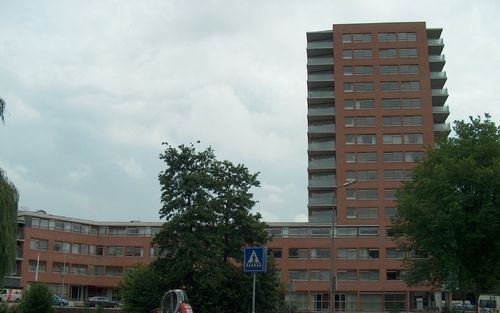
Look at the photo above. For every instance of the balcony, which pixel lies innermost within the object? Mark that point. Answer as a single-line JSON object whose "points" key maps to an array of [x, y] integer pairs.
{"points": [[435, 46], [321, 128], [322, 183], [440, 114], [321, 60], [321, 163], [320, 77], [19, 254], [322, 110], [442, 130], [321, 94], [438, 79], [321, 145], [436, 62], [434, 33], [321, 199], [439, 96], [320, 44]]}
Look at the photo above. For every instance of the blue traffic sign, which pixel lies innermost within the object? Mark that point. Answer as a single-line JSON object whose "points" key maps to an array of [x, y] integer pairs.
{"points": [[255, 259]]}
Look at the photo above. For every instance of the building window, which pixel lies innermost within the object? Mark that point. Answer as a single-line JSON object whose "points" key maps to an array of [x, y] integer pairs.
{"points": [[347, 54], [350, 139], [413, 138], [348, 70], [367, 194], [322, 232], [411, 103], [388, 69], [408, 53], [366, 139], [39, 244], [79, 269], [414, 156], [369, 275], [115, 271], [414, 120], [351, 213], [395, 274], [365, 121], [393, 175], [298, 253], [359, 104], [134, 251], [363, 54], [59, 246], [348, 87], [390, 212], [368, 213], [363, 87], [390, 194], [389, 86], [390, 121], [344, 275], [274, 252], [410, 86], [394, 302], [390, 103], [369, 253], [78, 248], [99, 270], [391, 157], [407, 36], [347, 231], [317, 253], [388, 53], [363, 70], [300, 232], [392, 139], [408, 69], [62, 226], [320, 302], [370, 302], [350, 194], [366, 175], [362, 37], [42, 266], [367, 157], [347, 254], [117, 231], [58, 267], [368, 231], [394, 253], [299, 301], [346, 38], [322, 275], [408, 174], [386, 37], [297, 274], [116, 251]]}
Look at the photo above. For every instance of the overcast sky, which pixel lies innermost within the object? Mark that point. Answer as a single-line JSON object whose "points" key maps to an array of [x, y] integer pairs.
{"points": [[94, 87]]}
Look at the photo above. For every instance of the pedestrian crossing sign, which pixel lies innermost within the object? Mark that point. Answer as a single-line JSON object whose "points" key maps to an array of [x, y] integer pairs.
{"points": [[254, 259]]}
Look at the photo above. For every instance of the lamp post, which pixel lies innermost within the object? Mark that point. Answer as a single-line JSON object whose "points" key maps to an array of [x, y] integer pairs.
{"points": [[333, 282]]}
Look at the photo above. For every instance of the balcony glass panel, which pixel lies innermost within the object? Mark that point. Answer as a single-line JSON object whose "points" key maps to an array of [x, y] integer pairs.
{"points": [[328, 60], [320, 77], [320, 44], [440, 92], [321, 127], [443, 109], [438, 75], [321, 216], [321, 94], [436, 58], [324, 109], [435, 42], [321, 198], [322, 180], [442, 127], [322, 144], [322, 162]]}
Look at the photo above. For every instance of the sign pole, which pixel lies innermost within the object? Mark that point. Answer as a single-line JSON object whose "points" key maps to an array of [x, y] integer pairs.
{"points": [[253, 297]]}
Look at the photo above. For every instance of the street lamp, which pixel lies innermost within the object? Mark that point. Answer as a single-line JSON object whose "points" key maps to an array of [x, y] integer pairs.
{"points": [[333, 282]]}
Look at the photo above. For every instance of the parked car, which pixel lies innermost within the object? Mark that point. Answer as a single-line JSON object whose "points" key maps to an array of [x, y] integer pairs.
{"points": [[11, 295], [104, 302], [56, 300]]}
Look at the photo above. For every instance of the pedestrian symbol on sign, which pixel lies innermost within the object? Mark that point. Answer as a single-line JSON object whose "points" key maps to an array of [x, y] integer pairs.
{"points": [[254, 260]]}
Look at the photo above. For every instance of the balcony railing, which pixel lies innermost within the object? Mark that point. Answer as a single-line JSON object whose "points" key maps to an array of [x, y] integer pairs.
{"points": [[322, 183], [320, 77], [441, 110], [436, 58], [322, 146], [326, 199], [321, 94], [440, 92], [320, 60], [321, 163], [320, 44], [438, 75], [435, 42], [321, 128], [321, 111], [442, 127]]}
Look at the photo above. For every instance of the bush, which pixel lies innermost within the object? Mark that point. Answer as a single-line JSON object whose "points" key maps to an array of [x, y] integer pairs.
{"points": [[37, 299]]}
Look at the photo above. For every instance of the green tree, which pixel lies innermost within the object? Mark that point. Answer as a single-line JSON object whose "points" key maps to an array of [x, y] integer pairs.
{"points": [[37, 299], [140, 290], [8, 218], [449, 213], [206, 204]]}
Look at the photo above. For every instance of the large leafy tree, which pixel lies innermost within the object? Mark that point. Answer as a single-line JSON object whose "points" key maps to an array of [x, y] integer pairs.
{"points": [[449, 213], [8, 217], [140, 290], [37, 299], [206, 203]]}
